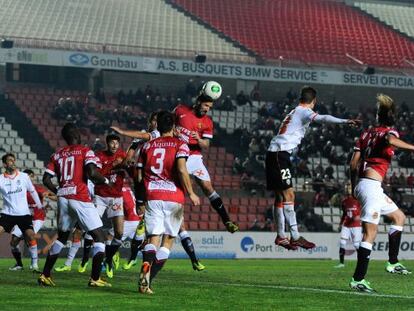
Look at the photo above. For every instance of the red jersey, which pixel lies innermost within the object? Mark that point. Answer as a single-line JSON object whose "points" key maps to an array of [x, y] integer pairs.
{"points": [[130, 213], [68, 165], [186, 122], [115, 176], [38, 213], [376, 153], [158, 160], [350, 209]]}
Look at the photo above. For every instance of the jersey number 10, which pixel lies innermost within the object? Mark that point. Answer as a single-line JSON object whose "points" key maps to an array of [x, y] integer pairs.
{"points": [[67, 166]]}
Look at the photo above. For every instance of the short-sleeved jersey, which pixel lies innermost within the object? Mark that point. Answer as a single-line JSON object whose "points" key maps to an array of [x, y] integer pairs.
{"points": [[130, 213], [14, 190], [68, 164], [292, 129], [376, 153], [38, 213], [158, 160], [116, 176], [186, 122], [138, 143], [350, 209]]}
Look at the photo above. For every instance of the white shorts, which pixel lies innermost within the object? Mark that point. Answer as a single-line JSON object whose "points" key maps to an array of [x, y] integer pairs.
{"points": [[37, 225], [374, 202], [112, 206], [163, 217], [71, 212], [351, 233], [129, 230], [196, 167]]}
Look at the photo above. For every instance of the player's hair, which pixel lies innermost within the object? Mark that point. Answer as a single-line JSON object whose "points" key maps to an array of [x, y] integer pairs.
{"points": [[111, 137], [202, 98], [307, 94], [28, 171], [70, 132], [386, 110], [4, 158], [165, 121], [152, 116]]}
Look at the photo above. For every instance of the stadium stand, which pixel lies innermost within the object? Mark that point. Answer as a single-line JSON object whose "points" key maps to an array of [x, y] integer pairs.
{"points": [[311, 32], [397, 16], [127, 26]]}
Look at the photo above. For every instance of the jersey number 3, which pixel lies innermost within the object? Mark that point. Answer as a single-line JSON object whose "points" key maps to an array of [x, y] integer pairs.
{"points": [[159, 154]]}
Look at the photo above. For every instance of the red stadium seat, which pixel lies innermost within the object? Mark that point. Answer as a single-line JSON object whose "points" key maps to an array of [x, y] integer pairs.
{"points": [[336, 29]]}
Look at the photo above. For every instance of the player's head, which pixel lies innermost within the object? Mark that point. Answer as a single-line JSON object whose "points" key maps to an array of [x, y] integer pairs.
{"points": [[71, 134], [152, 121], [30, 173], [165, 121], [9, 162], [386, 110], [112, 143], [307, 95]]}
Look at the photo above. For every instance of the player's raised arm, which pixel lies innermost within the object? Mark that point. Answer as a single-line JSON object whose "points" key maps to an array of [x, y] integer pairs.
{"points": [[185, 181], [134, 134], [334, 120], [398, 143]]}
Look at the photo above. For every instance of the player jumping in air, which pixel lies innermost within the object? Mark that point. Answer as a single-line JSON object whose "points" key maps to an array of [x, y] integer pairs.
{"points": [[370, 162], [133, 152], [278, 165]]}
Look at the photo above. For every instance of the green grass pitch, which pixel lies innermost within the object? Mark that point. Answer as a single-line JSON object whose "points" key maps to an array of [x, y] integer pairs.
{"points": [[225, 285]]}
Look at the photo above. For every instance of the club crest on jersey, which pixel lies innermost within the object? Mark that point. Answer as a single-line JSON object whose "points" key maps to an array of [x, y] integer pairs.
{"points": [[200, 125], [375, 215]]}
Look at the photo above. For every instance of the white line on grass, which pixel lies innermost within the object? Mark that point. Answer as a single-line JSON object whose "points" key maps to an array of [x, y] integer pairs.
{"points": [[309, 289]]}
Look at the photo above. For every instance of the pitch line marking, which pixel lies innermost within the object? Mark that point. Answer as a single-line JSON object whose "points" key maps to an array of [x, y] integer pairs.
{"points": [[309, 289]]}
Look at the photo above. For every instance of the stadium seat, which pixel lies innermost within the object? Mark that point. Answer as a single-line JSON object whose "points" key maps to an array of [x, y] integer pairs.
{"points": [[275, 34]]}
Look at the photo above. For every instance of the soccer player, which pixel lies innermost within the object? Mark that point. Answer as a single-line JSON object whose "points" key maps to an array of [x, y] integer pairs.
{"points": [[370, 162], [195, 127], [73, 165], [351, 224], [131, 222], [163, 166], [109, 199], [38, 221], [133, 151], [278, 165], [14, 186]]}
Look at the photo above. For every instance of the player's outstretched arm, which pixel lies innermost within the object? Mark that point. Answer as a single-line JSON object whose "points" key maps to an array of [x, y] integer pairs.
{"points": [[185, 181], [333, 120], [134, 134], [353, 168], [398, 143]]}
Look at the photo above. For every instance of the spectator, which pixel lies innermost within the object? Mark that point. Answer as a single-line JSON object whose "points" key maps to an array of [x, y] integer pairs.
{"points": [[410, 180], [237, 166], [254, 147], [394, 179], [321, 198], [402, 180]]}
